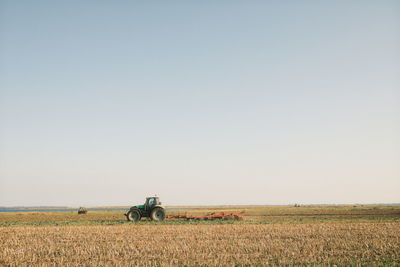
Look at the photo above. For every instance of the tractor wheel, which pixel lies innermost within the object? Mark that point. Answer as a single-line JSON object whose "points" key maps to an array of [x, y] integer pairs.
{"points": [[157, 214], [133, 216]]}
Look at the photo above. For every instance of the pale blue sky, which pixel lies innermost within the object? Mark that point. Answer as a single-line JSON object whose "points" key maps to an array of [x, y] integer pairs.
{"points": [[200, 102]]}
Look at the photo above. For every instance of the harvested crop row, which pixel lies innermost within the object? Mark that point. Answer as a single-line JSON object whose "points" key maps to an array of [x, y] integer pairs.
{"points": [[366, 243]]}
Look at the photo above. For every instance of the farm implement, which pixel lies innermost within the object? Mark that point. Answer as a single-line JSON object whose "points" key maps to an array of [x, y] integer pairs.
{"points": [[211, 216]]}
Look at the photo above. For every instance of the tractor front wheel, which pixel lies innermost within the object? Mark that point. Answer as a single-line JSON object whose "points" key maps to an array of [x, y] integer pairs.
{"points": [[157, 214], [133, 216]]}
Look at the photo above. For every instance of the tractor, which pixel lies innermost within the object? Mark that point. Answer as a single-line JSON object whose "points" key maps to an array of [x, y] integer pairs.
{"points": [[151, 209]]}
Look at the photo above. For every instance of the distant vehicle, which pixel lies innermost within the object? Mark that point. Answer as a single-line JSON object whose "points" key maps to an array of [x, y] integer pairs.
{"points": [[151, 209], [82, 210]]}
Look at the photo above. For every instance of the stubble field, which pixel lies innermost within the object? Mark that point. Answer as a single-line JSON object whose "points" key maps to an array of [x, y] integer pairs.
{"points": [[267, 236]]}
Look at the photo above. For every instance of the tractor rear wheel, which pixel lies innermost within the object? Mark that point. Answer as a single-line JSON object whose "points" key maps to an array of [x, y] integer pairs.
{"points": [[157, 214], [133, 216]]}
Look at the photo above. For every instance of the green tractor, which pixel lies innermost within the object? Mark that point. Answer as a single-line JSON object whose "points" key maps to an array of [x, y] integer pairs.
{"points": [[150, 209]]}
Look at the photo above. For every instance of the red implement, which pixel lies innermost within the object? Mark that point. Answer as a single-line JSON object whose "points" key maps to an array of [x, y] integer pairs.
{"points": [[212, 216]]}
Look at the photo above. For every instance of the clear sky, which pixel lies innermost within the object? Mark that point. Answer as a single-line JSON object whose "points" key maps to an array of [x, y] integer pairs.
{"points": [[199, 102]]}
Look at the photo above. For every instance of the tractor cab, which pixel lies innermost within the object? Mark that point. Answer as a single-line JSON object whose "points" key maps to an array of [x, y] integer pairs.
{"points": [[151, 202]]}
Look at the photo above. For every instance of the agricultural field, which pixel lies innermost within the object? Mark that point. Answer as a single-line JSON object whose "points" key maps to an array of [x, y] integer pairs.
{"points": [[340, 235]]}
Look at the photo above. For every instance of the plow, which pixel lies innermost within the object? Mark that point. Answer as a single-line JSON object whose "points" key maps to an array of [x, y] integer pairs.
{"points": [[211, 216], [153, 210]]}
